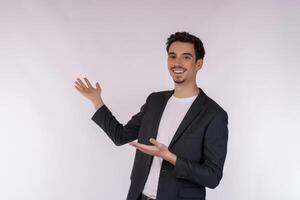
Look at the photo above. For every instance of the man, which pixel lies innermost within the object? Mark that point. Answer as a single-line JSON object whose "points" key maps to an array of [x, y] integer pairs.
{"points": [[181, 133]]}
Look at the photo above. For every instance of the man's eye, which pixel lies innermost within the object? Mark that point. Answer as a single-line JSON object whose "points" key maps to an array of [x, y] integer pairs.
{"points": [[187, 57], [172, 57]]}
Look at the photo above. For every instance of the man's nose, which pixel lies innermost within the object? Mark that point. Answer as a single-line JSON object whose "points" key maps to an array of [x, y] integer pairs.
{"points": [[178, 62]]}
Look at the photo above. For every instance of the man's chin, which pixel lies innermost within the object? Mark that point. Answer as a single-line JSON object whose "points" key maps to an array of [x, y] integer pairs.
{"points": [[179, 81]]}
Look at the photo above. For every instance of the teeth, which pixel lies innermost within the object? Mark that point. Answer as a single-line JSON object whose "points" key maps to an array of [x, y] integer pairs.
{"points": [[177, 71]]}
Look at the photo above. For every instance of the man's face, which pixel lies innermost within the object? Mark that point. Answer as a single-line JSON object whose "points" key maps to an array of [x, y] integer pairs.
{"points": [[182, 63]]}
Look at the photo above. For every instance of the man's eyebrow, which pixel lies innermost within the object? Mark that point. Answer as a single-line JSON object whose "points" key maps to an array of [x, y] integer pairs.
{"points": [[173, 53], [189, 54]]}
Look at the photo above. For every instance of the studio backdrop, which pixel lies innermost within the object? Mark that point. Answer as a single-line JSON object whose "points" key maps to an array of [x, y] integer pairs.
{"points": [[50, 149]]}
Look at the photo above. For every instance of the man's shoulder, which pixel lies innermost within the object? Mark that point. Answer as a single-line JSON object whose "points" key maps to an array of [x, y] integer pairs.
{"points": [[214, 106], [159, 93], [210, 103]]}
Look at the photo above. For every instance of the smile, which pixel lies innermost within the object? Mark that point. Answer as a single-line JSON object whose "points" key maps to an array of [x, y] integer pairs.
{"points": [[177, 71]]}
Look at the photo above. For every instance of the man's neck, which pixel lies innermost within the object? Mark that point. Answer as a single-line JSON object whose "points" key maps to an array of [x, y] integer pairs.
{"points": [[184, 91]]}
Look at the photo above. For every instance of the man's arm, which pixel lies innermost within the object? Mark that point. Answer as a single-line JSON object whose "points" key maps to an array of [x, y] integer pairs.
{"points": [[116, 131], [210, 172]]}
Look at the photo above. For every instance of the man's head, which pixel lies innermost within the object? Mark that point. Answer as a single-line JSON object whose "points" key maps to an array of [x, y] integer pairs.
{"points": [[185, 56]]}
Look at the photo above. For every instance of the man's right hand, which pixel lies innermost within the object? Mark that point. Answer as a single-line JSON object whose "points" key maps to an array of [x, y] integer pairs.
{"points": [[88, 91]]}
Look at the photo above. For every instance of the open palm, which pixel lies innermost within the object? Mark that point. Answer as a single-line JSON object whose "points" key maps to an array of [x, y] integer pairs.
{"points": [[87, 90]]}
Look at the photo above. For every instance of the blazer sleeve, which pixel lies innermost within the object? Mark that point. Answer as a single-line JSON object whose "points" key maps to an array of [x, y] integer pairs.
{"points": [[209, 172], [116, 131]]}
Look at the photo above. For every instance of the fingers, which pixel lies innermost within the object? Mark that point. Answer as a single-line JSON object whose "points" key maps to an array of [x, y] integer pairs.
{"points": [[78, 88], [140, 146], [78, 85], [88, 82], [81, 84], [157, 144], [132, 143], [137, 145], [153, 141]]}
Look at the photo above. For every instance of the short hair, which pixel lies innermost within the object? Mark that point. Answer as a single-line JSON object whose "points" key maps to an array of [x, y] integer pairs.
{"points": [[189, 38]]}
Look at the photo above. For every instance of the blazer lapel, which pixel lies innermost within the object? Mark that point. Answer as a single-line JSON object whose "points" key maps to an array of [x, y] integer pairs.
{"points": [[196, 107], [161, 104]]}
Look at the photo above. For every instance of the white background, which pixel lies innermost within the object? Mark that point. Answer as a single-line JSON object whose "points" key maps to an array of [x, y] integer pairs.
{"points": [[49, 147]]}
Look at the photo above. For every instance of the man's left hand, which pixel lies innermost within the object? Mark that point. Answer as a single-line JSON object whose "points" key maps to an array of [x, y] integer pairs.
{"points": [[157, 149]]}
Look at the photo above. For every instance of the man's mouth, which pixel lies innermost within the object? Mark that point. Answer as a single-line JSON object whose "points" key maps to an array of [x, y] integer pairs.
{"points": [[178, 71]]}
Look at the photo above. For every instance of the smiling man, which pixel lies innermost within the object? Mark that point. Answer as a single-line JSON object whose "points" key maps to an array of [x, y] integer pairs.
{"points": [[181, 134]]}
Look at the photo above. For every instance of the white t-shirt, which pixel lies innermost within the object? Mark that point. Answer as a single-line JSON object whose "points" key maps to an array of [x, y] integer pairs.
{"points": [[172, 116]]}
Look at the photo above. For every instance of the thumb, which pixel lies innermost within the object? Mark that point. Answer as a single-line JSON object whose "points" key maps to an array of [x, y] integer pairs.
{"points": [[97, 85], [153, 141]]}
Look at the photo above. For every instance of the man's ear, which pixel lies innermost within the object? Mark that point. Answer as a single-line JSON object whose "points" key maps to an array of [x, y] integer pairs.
{"points": [[199, 64]]}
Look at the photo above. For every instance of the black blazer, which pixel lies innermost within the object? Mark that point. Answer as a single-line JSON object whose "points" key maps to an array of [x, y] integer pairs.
{"points": [[200, 144]]}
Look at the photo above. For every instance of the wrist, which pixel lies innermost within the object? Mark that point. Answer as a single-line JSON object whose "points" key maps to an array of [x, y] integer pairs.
{"points": [[171, 157], [98, 104]]}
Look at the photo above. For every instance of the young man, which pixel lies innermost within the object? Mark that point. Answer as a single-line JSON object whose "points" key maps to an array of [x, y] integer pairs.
{"points": [[181, 133]]}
